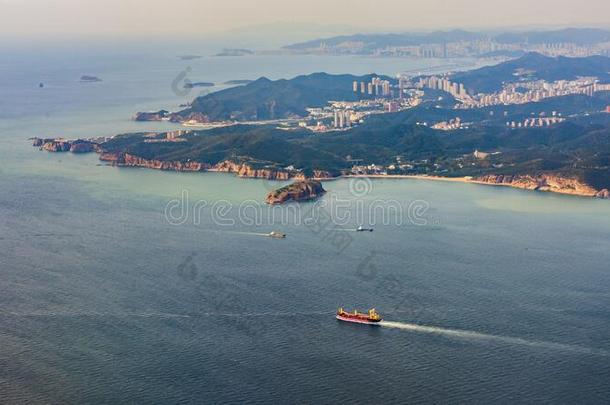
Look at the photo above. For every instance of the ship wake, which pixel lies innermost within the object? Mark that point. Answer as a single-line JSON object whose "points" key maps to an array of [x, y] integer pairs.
{"points": [[482, 337]]}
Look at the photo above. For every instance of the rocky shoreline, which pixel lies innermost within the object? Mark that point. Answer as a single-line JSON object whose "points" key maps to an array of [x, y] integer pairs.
{"points": [[227, 166], [543, 182]]}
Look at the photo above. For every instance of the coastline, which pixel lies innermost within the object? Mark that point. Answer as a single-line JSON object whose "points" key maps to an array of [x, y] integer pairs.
{"points": [[578, 189], [545, 182]]}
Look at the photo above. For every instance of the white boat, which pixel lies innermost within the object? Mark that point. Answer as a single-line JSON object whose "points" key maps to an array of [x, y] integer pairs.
{"points": [[277, 235]]}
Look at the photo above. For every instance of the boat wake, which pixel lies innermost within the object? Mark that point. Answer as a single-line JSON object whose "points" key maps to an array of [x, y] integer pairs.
{"points": [[474, 336], [264, 235]]}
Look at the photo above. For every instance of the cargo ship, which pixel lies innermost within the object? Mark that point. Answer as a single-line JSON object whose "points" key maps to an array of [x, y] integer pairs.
{"points": [[371, 318]]}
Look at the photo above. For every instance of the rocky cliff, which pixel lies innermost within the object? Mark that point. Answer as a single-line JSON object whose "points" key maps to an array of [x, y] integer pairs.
{"points": [[246, 170], [301, 190], [127, 160], [152, 116], [63, 145], [544, 182], [240, 169]]}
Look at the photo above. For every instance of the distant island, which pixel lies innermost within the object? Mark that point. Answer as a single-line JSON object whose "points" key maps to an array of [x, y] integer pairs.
{"points": [[543, 124], [90, 79], [189, 57], [235, 52], [190, 85]]}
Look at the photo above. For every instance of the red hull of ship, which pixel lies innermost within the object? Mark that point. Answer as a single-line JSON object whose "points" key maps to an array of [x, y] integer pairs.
{"points": [[357, 319]]}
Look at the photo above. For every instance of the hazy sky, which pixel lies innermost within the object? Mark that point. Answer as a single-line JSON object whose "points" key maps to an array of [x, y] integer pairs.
{"points": [[143, 17]]}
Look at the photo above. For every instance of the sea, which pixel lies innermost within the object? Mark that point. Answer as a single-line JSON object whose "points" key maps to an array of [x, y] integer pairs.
{"points": [[122, 285]]}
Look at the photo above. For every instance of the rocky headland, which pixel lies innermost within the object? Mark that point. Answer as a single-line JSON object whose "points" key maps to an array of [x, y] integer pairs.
{"points": [[241, 169], [544, 182], [64, 145]]}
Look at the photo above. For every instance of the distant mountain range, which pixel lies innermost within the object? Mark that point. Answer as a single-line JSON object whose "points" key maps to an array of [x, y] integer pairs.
{"points": [[373, 41], [506, 43]]}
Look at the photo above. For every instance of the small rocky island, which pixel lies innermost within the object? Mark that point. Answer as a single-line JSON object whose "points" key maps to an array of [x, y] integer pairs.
{"points": [[302, 190]]}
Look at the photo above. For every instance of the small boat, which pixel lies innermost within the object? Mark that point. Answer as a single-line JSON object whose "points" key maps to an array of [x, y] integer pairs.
{"points": [[371, 318], [277, 235], [362, 229]]}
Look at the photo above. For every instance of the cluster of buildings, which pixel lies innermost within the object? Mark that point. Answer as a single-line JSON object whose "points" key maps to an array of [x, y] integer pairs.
{"points": [[376, 87], [535, 91], [170, 136], [456, 49], [380, 96], [369, 170], [535, 122], [340, 115], [457, 90], [570, 49], [452, 124], [467, 48], [342, 119]]}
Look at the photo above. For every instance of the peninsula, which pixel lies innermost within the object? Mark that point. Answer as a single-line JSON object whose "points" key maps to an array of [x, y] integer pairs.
{"points": [[545, 125]]}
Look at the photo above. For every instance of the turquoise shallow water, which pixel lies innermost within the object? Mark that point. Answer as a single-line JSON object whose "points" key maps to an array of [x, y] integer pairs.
{"points": [[490, 294]]}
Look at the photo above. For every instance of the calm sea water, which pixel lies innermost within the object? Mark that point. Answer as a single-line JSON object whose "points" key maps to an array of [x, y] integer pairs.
{"points": [[490, 294]]}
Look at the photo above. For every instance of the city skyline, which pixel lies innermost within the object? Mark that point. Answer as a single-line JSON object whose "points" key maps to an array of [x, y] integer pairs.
{"points": [[188, 17]]}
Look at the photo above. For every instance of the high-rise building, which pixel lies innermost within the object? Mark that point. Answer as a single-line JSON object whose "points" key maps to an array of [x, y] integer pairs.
{"points": [[343, 118], [386, 88], [392, 106]]}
